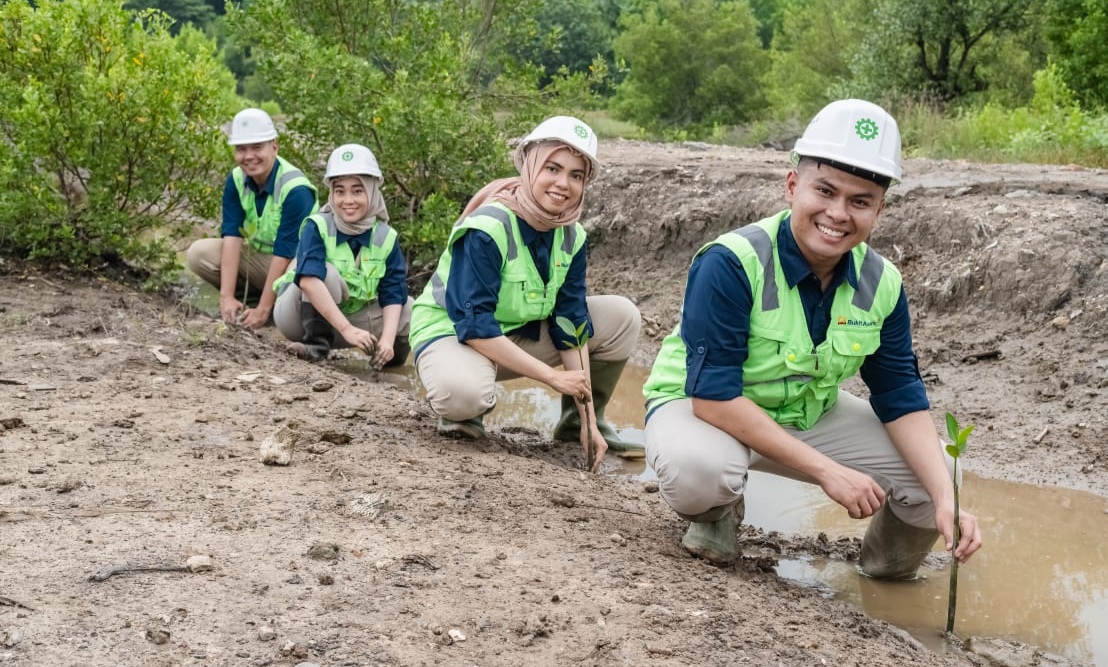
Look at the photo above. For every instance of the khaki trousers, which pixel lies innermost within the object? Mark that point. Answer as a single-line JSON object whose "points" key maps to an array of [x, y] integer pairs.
{"points": [[203, 259], [700, 466], [371, 317], [461, 382]]}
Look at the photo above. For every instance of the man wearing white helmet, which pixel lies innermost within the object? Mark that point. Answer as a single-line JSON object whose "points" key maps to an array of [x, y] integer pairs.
{"points": [[265, 198], [350, 276], [776, 315], [515, 262]]}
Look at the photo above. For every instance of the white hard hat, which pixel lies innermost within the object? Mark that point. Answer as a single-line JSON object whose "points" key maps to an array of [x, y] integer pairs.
{"points": [[351, 160], [568, 130], [856, 136], [252, 126]]}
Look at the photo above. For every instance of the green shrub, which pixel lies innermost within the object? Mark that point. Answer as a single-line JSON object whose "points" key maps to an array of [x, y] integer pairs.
{"points": [[1051, 129], [111, 141]]}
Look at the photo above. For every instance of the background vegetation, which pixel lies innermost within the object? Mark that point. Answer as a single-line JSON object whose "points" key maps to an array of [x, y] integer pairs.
{"points": [[110, 113]]}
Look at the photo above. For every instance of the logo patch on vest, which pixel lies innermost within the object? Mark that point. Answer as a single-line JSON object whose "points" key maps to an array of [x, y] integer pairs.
{"points": [[844, 321]]}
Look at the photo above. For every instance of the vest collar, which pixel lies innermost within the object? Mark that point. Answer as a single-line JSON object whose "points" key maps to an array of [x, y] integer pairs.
{"points": [[270, 182], [796, 268], [528, 234]]}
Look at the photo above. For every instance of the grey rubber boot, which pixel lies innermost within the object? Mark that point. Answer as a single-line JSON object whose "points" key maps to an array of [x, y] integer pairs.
{"points": [[604, 376], [470, 429], [713, 535], [319, 335], [893, 549]]}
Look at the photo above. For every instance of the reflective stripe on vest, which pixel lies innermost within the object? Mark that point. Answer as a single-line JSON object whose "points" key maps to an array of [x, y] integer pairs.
{"points": [[260, 231]]}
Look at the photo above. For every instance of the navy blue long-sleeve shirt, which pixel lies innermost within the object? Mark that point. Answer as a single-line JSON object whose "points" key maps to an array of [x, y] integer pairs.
{"points": [[716, 314], [311, 260], [299, 202], [473, 288]]}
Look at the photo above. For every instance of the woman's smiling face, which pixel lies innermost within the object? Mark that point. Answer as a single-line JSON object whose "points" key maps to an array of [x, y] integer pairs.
{"points": [[832, 211], [349, 198], [560, 182]]}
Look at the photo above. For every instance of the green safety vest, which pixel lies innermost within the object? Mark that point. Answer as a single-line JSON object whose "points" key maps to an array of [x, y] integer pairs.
{"points": [[524, 295], [261, 231], [361, 273], [794, 381]]}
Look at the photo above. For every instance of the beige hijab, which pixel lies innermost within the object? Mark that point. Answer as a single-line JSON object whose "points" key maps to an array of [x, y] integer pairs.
{"points": [[376, 211], [515, 192]]}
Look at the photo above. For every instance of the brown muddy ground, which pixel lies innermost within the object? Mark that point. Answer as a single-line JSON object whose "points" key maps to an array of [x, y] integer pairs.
{"points": [[132, 424]]}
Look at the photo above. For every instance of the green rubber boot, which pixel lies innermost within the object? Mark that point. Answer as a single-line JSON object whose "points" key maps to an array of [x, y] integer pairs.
{"points": [[604, 376], [893, 549], [319, 335], [713, 535], [469, 429]]}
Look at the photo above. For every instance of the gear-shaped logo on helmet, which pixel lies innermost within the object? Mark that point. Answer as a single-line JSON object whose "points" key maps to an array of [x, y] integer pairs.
{"points": [[580, 131], [866, 129], [347, 156]]}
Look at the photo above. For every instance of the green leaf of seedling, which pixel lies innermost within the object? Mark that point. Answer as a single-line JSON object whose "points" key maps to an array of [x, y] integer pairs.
{"points": [[566, 325], [582, 337], [953, 451], [951, 427]]}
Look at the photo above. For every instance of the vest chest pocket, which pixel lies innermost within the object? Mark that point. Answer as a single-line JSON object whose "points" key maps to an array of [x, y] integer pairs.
{"points": [[523, 301], [854, 343], [774, 350], [849, 349]]}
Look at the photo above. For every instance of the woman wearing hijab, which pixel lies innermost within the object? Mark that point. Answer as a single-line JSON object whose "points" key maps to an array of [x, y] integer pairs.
{"points": [[514, 263], [350, 275]]}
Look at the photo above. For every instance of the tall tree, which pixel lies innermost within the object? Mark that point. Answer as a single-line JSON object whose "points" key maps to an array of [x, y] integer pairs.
{"points": [[934, 46], [692, 64]]}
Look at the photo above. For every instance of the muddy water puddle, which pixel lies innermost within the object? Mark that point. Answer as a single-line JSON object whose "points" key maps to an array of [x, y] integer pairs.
{"points": [[1041, 579]]}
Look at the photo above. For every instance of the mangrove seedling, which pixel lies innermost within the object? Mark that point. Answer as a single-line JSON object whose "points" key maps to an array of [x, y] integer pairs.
{"points": [[580, 338], [959, 438]]}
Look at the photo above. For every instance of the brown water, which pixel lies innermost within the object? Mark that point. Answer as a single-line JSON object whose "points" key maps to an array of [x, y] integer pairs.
{"points": [[1041, 578]]}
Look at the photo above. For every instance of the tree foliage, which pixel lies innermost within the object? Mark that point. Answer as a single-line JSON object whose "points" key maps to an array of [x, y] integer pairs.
{"points": [[692, 63], [803, 76], [199, 13], [568, 36], [1078, 33], [111, 136], [420, 83], [934, 47]]}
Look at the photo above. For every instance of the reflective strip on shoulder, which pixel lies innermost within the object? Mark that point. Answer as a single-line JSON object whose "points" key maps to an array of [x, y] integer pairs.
{"points": [[283, 180], [438, 290], [763, 248], [329, 218], [569, 239], [502, 216], [869, 277], [380, 234]]}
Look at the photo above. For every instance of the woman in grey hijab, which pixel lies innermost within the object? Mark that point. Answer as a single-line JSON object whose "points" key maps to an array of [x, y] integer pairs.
{"points": [[350, 276]]}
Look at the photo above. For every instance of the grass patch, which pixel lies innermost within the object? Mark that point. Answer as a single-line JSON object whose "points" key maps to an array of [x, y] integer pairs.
{"points": [[1052, 129], [607, 127]]}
